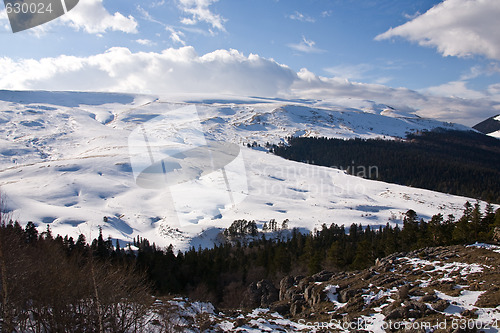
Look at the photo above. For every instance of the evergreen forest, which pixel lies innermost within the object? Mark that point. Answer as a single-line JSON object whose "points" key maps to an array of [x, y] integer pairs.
{"points": [[59, 280], [455, 162]]}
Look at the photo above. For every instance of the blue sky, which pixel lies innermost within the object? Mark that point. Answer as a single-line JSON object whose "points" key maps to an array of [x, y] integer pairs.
{"points": [[440, 58]]}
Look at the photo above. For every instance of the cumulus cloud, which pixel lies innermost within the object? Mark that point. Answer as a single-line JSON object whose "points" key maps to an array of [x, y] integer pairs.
{"points": [[306, 46], [171, 71], [199, 11], [92, 17], [182, 70], [456, 28]]}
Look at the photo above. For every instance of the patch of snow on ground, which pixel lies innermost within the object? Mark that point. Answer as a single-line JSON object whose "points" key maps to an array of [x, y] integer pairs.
{"points": [[447, 268], [332, 295], [494, 248], [495, 134]]}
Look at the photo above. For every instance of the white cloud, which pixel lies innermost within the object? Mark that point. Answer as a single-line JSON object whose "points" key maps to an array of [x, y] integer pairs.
{"points": [[182, 70], [363, 95], [352, 72], [306, 46], [199, 11], [481, 70], [145, 42], [359, 72], [88, 15], [157, 3], [412, 16], [301, 17], [4, 20], [456, 89], [171, 71], [91, 16], [326, 13], [456, 28], [494, 91], [147, 16], [176, 36]]}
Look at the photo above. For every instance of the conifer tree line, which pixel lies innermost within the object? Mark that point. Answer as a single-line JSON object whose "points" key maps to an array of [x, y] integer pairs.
{"points": [[222, 273], [53, 284], [456, 162]]}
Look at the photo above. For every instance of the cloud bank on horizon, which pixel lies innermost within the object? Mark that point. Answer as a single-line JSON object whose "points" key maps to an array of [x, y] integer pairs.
{"points": [[457, 28]]}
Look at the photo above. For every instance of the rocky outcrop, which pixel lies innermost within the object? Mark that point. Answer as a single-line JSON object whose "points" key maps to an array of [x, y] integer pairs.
{"points": [[431, 285], [417, 285], [261, 294]]}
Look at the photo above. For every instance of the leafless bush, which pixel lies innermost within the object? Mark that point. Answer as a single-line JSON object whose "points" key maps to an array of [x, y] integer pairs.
{"points": [[44, 289]]}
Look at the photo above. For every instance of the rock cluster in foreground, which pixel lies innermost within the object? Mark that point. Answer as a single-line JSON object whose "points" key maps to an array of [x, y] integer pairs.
{"points": [[443, 289]]}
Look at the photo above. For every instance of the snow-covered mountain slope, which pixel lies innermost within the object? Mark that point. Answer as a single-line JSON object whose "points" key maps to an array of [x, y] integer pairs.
{"points": [[65, 160], [490, 126]]}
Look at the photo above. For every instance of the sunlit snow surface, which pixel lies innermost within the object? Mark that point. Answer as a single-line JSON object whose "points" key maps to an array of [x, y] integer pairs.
{"points": [[64, 161]]}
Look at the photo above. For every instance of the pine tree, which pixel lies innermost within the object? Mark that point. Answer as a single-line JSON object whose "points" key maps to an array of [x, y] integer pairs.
{"points": [[409, 234], [31, 232], [335, 254], [436, 230], [475, 226], [363, 257]]}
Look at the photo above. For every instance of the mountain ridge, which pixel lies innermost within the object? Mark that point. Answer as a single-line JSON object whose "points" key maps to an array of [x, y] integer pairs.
{"points": [[67, 165]]}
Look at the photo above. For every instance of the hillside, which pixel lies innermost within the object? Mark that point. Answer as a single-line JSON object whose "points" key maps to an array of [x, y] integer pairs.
{"points": [[431, 289], [456, 162], [443, 289], [66, 160]]}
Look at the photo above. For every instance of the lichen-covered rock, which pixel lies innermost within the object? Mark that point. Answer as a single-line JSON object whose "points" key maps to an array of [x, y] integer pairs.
{"points": [[322, 276], [261, 293], [283, 308], [297, 307], [440, 305], [428, 298], [286, 283], [314, 294], [412, 286], [346, 295]]}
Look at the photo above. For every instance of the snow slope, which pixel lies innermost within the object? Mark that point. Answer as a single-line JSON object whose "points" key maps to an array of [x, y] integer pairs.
{"points": [[65, 161], [490, 126], [495, 134]]}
